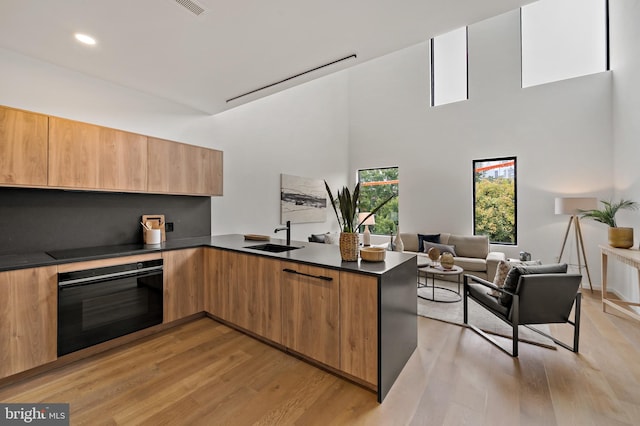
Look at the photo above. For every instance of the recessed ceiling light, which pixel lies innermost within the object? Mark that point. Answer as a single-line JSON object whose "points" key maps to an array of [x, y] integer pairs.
{"points": [[83, 38]]}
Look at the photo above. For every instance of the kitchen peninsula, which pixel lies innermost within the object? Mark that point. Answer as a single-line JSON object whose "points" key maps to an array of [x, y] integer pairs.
{"points": [[356, 319]]}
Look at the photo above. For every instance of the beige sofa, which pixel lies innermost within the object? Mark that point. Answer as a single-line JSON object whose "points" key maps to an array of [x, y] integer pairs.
{"points": [[472, 252]]}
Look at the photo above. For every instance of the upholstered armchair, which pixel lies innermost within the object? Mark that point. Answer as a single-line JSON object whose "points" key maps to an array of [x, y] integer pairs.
{"points": [[541, 298]]}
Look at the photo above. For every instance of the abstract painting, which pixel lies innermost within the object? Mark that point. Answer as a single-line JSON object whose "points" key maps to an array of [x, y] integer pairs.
{"points": [[302, 199]]}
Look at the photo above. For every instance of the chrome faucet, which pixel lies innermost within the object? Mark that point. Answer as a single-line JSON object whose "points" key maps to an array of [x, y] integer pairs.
{"points": [[288, 229]]}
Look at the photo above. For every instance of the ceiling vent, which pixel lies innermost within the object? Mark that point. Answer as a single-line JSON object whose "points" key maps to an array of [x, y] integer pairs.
{"points": [[191, 6]]}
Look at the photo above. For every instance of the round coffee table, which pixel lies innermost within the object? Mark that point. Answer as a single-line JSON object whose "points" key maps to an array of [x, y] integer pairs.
{"points": [[437, 270]]}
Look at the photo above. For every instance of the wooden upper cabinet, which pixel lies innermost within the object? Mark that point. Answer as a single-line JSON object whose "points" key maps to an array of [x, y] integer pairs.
{"points": [[28, 319], [177, 168], [23, 148], [86, 156]]}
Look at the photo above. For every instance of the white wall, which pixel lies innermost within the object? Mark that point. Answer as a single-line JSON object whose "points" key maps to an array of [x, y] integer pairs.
{"points": [[302, 131], [625, 64], [560, 133], [377, 114]]}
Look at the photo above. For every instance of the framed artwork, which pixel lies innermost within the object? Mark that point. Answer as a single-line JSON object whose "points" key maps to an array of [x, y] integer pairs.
{"points": [[302, 200]]}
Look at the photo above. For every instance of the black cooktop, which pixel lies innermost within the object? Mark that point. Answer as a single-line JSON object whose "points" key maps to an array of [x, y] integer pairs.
{"points": [[94, 251]]}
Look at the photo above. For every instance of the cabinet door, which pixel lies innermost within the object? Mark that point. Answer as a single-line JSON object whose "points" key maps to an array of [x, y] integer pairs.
{"points": [[28, 319], [359, 326], [183, 283], [23, 148], [177, 168], [311, 312], [92, 157], [223, 268], [257, 297]]}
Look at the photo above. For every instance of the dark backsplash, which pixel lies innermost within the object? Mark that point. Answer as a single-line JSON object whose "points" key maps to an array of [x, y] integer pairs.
{"points": [[35, 220]]}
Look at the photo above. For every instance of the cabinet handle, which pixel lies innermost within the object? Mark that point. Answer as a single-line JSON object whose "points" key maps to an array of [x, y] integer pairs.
{"points": [[320, 277]]}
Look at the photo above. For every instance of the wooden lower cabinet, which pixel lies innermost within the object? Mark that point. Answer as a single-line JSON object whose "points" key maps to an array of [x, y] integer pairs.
{"points": [[255, 297], [311, 312], [359, 326], [327, 315], [28, 319], [216, 288], [245, 290], [183, 278]]}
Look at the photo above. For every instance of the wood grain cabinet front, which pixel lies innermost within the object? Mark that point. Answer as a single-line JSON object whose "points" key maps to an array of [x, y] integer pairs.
{"points": [[177, 168], [245, 290], [183, 278], [85, 156], [311, 312], [28, 319], [23, 148], [359, 326]]}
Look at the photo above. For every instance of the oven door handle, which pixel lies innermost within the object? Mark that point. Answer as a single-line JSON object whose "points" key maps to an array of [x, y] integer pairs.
{"points": [[124, 274]]}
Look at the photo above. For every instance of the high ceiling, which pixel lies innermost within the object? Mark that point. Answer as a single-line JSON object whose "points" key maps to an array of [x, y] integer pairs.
{"points": [[162, 48]]}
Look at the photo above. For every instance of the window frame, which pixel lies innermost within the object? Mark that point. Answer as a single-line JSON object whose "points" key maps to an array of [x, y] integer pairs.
{"points": [[432, 70], [513, 158], [607, 53]]}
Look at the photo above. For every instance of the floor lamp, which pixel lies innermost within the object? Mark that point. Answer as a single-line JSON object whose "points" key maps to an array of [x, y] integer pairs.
{"points": [[573, 206]]}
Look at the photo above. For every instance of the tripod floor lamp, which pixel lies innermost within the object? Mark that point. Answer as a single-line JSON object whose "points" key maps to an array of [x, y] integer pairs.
{"points": [[573, 206]]}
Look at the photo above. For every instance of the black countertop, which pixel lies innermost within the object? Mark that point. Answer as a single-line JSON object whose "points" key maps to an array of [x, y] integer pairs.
{"points": [[325, 255]]}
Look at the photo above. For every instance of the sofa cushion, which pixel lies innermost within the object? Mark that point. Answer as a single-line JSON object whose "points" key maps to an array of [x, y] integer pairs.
{"points": [[471, 264], [470, 245], [511, 283], [442, 247], [431, 238], [410, 241]]}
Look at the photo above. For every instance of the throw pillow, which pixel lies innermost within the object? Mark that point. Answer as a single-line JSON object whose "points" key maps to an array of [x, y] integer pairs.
{"points": [[503, 269], [432, 238], [511, 283], [501, 275], [332, 238], [442, 247]]}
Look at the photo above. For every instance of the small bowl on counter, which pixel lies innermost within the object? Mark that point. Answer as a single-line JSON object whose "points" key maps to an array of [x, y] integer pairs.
{"points": [[373, 254]]}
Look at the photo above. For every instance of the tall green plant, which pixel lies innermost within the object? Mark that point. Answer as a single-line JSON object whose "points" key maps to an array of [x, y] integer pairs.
{"points": [[607, 214], [347, 203]]}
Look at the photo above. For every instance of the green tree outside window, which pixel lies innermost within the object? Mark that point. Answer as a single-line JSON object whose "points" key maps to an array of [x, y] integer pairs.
{"points": [[376, 185], [494, 199]]}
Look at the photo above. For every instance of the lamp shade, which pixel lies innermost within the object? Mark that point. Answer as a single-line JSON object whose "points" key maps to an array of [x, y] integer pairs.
{"points": [[574, 205], [370, 221]]}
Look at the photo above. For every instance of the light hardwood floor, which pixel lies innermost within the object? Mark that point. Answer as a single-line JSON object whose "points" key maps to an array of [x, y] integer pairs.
{"points": [[206, 373]]}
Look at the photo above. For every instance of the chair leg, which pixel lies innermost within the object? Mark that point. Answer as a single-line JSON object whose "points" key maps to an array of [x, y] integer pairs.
{"points": [[576, 328], [576, 325], [515, 321], [486, 336], [465, 303]]}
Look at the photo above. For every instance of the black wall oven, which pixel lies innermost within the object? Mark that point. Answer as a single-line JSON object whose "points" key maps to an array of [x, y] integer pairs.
{"points": [[96, 305]]}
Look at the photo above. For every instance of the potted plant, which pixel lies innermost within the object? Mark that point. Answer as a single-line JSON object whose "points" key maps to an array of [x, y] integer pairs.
{"points": [[619, 237], [345, 205]]}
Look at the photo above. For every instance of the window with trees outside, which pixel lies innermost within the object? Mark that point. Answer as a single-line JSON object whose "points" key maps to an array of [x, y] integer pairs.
{"points": [[494, 199], [376, 185]]}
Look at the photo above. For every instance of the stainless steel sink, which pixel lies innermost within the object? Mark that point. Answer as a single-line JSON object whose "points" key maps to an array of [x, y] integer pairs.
{"points": [[273, 248]]}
